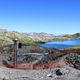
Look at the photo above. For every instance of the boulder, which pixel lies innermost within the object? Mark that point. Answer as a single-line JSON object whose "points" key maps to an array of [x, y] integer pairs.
{"points": [[58, 72]]}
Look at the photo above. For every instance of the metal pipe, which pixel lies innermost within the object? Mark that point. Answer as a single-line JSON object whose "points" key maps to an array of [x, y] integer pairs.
{"points": [[16, 51]]}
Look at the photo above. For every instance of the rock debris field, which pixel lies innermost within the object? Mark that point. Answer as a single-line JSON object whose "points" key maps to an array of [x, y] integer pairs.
{"points": [[68, 73]]}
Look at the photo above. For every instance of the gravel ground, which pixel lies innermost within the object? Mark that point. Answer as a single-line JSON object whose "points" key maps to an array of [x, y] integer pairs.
{"points": [[13, 74]]}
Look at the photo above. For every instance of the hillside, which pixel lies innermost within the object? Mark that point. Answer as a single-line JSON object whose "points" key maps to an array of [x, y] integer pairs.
{"points": [[7, 37]]}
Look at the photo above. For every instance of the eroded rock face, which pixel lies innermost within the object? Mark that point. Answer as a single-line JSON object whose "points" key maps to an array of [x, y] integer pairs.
{"points": [[74, 60]]}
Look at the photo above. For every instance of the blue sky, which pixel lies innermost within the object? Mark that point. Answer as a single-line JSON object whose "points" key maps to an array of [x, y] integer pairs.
{"points": [[51, 16]]}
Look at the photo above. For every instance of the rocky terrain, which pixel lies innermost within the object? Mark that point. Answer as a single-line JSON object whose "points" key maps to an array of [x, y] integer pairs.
{"points": [[68, 73]]}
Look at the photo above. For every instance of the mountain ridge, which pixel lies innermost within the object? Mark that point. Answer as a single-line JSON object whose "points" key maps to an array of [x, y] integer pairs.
{"points": [[7, 37]]}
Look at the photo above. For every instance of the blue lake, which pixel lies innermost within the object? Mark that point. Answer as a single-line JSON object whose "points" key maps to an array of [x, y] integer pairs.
{"points": [[61, 45]]}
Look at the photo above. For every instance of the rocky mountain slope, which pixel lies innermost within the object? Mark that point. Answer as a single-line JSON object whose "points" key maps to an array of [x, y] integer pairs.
{"points": [[7, 37]]}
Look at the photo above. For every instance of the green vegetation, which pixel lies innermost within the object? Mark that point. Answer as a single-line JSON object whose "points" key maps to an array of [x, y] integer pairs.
{"points": [[75, 47], [7, 37]]}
